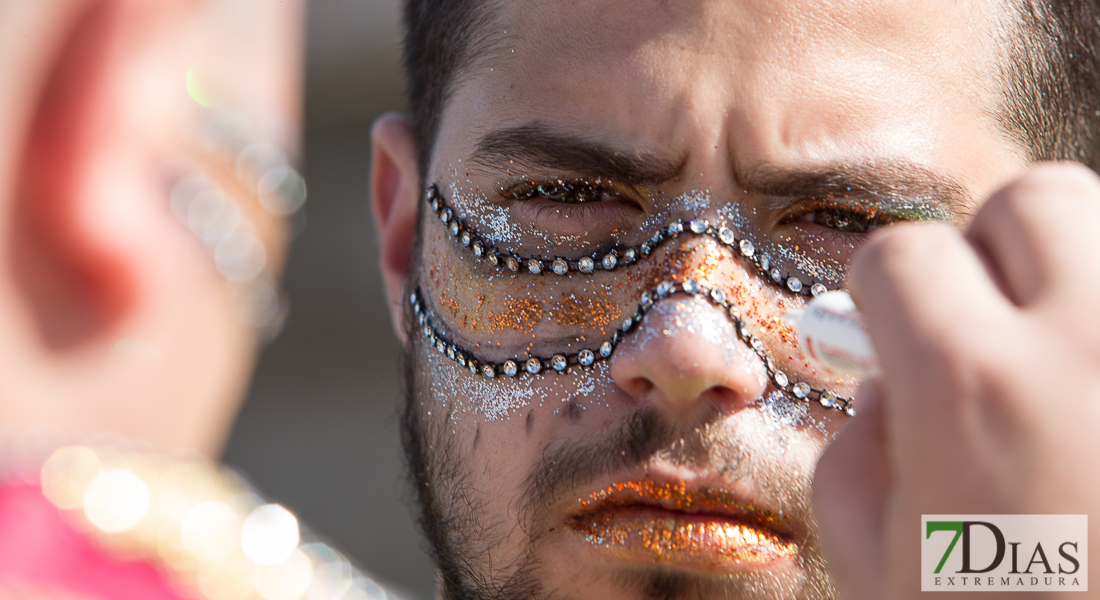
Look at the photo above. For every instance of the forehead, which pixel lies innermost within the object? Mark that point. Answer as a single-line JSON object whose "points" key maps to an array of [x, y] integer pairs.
{"points": [[764, 81]]}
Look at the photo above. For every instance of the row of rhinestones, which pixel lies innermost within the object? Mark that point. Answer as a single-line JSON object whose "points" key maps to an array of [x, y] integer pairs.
{"points": [[561, 363], [469, 238]]}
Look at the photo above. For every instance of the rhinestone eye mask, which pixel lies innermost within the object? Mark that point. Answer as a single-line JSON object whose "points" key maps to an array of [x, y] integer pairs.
{"points": [[542, 323]]}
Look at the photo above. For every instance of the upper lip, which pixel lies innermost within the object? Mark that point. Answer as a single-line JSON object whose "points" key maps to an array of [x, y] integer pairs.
{"points": [[685, 498]]}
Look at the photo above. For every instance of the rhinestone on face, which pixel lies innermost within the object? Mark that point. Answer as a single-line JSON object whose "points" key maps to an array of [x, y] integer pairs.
{"points": [[446, 215], [744, 331], [478, 250], [776, 275], [421, 318], [510, 368], [460, 358], [534, 365], [586, 357], [827, 399], [756, 344], [647, 301], [454, 228], [488, 371], [559, 362], [513, 264], [850, 410], [605, 349], [665, 288], [441, 346], [436, 204], [691, 286], [472, 365], [817, 289], [451, 352], [560, 266], [413, 299], [735, 313], [718, 295], [646, 249], [494, 258], [764, 263], [801, 390], [627, 324], [675, 228], [586, 265], [466, 239], [534, 266], [726, 235], [609, 261], [748, 249], [780, 379], [794, 284], [698, 226], [629, 256]]}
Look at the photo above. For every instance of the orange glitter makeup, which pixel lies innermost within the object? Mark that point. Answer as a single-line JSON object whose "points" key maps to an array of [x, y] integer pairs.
{"points": [[596, 312], [667, 523]]}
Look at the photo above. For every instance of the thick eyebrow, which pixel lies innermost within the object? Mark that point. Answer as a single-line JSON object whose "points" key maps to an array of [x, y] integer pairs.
{"points": [[541, 146], [538, 145], [873, 181]]}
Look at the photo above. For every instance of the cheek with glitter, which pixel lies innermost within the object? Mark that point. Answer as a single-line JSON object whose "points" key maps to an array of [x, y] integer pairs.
{"points": [[501, 399]]}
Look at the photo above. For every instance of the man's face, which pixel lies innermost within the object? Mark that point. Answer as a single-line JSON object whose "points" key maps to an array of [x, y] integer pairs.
{"points": [[676, 467]]}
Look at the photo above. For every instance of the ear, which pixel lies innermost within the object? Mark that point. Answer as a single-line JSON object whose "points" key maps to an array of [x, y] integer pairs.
{"points": [[68, 248], [395, 189]]}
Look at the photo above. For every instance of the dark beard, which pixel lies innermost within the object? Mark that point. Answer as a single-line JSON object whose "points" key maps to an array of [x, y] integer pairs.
{"points": [[461, 532]]}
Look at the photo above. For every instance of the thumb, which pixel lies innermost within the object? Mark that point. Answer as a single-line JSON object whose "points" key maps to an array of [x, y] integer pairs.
{"points": [[850, 488]]}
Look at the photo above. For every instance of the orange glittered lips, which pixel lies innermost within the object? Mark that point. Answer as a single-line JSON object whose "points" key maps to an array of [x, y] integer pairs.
{"points": [[667, 523]]}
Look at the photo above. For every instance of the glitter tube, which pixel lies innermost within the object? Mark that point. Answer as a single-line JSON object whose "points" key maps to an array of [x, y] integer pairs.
{"points": [[831, 332]]}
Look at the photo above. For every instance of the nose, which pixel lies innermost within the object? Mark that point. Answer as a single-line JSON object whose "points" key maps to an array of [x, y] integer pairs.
{"points": [[686, 358]]}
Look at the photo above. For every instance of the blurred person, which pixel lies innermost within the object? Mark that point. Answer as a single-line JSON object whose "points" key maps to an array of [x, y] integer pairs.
{"points": [[598, 215], [145, 191]]}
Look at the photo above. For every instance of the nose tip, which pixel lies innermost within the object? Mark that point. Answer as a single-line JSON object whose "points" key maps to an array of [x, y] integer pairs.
{"points": [[685, 356]]}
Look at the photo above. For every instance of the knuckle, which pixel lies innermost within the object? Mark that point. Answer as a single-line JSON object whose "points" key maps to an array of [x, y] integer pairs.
{"points": [[904, 248], [1050, 182]]}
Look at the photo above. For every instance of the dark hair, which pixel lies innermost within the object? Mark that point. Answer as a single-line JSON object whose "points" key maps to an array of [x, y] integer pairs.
{"points": [[1051, 79], [443, 39]]}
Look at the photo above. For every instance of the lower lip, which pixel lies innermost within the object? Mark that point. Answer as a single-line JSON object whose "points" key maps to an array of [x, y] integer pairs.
{"points": [[706, 541]]}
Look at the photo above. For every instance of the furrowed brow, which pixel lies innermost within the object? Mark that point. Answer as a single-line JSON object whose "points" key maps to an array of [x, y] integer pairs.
{"points": [[538, 146], [869, 181]]}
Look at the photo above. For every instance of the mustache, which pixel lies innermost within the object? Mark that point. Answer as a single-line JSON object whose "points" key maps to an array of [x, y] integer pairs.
{"points": [[731, 452]]}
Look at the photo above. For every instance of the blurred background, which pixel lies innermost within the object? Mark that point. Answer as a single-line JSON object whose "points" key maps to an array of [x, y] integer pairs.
{"points": [[319, 430]]}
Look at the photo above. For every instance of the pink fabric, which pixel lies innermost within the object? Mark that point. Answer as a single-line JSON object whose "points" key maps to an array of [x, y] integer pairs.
{"points": [[38, 546]]}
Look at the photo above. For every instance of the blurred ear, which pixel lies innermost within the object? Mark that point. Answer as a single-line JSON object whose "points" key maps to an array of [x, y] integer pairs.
{"points": [[68, 257], [395, 188]]}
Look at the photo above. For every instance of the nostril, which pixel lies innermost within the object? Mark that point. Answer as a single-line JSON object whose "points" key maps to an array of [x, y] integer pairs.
{"points": [[638, 387], [724, 396]]}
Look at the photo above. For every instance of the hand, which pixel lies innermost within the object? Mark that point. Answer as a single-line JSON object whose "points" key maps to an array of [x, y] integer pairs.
{"points": [[990, 397]]}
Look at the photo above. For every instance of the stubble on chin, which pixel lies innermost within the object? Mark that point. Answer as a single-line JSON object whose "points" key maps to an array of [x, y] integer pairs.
{"points": [[465, 537]]}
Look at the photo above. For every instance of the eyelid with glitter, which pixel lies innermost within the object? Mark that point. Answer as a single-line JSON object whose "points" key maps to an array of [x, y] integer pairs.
{"points": [[593, 209], [847, 216]]}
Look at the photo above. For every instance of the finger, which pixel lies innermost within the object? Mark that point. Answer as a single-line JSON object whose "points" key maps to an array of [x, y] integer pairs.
{"points": [[1039, 233], [850, 487], [930, 306]]}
